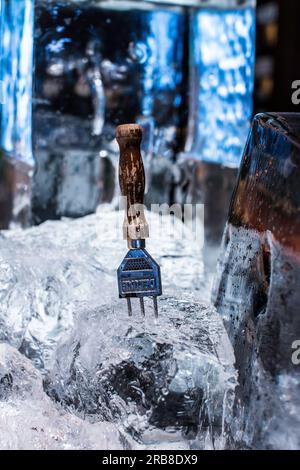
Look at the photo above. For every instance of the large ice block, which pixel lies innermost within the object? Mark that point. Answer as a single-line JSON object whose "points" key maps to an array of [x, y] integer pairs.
{"points": [[97, 65], [222, 79], [157, 378], [257, 288], [222, 46], [172, 374], [16, 159], [16, 59]]}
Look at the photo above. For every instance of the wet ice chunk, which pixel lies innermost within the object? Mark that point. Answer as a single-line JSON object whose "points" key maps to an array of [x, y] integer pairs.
{"points": [[147, 374], [30, 420]]}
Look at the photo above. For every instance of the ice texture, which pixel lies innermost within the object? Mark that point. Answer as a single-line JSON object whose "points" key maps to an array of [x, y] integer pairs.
{"points": [[257, 285], [174, 373], [257, 293], [16, 59], [222, 61], [156, 379], [88, 79], [46, 272], [30, 420]]}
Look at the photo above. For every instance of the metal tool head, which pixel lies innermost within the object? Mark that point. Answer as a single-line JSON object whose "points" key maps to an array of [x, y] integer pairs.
{"points": [[139, 276]]}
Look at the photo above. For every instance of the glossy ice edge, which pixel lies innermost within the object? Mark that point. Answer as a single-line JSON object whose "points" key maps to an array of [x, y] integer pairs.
{"points": [[170, 3]]}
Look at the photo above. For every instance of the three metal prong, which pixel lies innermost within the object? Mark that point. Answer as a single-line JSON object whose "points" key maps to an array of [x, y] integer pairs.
{"points": [[129, 307], [155, 307], [142, 305]]}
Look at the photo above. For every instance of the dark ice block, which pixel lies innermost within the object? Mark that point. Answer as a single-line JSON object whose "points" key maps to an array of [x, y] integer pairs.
{"points": [[267, 196], [257, 288]]}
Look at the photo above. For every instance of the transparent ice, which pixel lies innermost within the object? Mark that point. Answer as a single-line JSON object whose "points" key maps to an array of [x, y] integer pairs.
{"points": [[30, 420], [259, 301], [168, 383], [88, 79], [168, 375], [16, 57], [222, 61]]}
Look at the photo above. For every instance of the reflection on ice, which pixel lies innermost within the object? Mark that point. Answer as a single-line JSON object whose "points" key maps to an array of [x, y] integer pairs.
{"points": [[165, 383], [223, 77]]}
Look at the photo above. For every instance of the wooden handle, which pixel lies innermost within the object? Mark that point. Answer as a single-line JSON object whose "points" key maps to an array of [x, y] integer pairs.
{"points": [[132, 181]]}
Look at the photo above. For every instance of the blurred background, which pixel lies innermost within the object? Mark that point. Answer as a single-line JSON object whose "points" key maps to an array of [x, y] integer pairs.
{"points": [[192, 73]]}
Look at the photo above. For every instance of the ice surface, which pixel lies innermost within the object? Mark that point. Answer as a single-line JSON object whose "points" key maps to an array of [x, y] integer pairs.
{"points": [[30, 420], [157, 380], [257, 285], [257, 294], [16, 58], [173, 373], [223, 44], [46, 272]]}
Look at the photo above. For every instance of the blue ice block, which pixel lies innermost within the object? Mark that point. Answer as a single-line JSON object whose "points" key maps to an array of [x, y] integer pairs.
{"points": [[222, 80], [16, 59]]}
